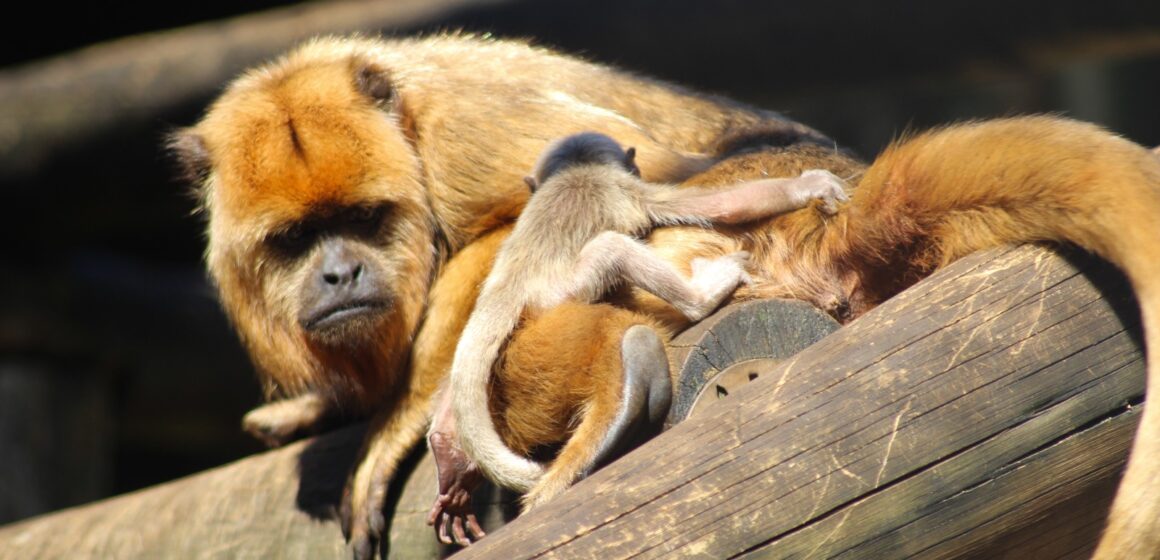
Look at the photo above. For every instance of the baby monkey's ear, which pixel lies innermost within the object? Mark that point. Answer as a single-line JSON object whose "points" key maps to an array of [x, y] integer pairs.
{"points": [[375, 82], [531, 183], [630, 161]]}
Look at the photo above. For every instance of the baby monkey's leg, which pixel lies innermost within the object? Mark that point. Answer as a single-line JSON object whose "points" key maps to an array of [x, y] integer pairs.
{"points": [[612, 256]]}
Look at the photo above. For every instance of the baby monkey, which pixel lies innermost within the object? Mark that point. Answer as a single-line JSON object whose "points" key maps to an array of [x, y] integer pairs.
{"points": [[577, 238]]}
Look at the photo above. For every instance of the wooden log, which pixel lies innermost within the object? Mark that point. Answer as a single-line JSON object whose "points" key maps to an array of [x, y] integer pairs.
{"points": [[730, 347], [957, 414], [278, 504], [985, 412]]}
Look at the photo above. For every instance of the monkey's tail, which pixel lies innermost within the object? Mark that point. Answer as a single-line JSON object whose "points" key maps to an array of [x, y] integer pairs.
{"points": [[490, 325], [946, 193]]}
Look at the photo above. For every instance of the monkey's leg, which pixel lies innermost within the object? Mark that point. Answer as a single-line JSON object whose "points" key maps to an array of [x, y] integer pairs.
{"points": [[614, 422], [592, 376], [280, 422], [645, 399], [614, 253], [457, 475]]}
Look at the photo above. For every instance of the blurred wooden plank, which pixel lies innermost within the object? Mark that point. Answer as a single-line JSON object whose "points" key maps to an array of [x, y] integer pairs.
{"points": [[278, 504], [49, 105]]}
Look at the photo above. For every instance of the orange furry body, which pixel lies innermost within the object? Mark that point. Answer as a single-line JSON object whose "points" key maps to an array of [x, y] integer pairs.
{"points": [[926, 201]]}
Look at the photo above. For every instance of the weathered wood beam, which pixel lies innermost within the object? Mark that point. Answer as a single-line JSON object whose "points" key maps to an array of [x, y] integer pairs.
{"points": [[942, 423], [986, 411]]}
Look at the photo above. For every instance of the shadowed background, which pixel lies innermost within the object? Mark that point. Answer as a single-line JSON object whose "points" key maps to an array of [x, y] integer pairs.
{"points": [[117, 369]]}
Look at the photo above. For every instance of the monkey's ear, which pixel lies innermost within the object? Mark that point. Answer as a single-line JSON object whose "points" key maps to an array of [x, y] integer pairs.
{"points": [[375, 82], [531, 183], [630, 161], [192, 156]]}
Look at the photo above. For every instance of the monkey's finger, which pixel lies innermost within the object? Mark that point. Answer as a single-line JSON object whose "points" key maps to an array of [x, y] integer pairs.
{"points": [[436, 509], [442, 529], [362, 543], [358, 534], [362, 547], [473, 526], [345, 510], [461, 537], [376, 498]]}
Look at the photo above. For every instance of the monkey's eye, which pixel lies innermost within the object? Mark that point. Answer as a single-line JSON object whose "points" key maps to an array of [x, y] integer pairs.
{"points": [[364, 214], [293, 239], [364, 220]]}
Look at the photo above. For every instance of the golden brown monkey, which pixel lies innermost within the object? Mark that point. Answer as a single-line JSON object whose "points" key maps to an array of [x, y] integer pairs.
{"points": [[430, 136], [926, 201], [354, 189], [575, 240]]}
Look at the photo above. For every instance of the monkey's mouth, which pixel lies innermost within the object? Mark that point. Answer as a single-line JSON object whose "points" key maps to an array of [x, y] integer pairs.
{"points": [[343, 315]]}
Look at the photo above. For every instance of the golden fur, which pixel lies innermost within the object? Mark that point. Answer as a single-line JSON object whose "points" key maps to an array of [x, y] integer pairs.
{"points": [[439, 132], [576, 239]]}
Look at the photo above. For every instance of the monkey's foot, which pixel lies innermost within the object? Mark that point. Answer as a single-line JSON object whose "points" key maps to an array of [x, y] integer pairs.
{"points": [[821, 185], [281, 422], [458, 477], [714, 280]]}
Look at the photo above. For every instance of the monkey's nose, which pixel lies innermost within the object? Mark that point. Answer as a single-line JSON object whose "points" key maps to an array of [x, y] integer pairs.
{"points": [[343, 273], [340, 267]]}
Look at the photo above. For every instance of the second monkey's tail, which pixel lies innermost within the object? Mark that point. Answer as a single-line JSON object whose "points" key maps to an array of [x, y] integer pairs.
{"points": [[490, 325], [946, 193]]}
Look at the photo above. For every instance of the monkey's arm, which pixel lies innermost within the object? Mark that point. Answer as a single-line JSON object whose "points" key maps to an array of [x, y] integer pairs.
{"points": [[452, 298], [754, 200], [450, 301], [392, 434]]}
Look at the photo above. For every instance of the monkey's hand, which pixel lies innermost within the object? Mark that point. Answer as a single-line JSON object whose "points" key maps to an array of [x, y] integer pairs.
{"points": [[458, 477], [392, 433], [821, 185]]}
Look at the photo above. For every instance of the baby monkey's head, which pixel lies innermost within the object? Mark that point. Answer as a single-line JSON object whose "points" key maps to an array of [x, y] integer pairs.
{"points": [[585, 148]]}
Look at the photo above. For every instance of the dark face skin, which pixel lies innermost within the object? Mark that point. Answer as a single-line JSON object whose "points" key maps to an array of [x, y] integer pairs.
{"points": [[343, 293]]}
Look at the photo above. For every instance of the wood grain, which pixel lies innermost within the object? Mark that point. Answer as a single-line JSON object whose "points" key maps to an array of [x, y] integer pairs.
{"points": [[952, 416], [985, 412]]}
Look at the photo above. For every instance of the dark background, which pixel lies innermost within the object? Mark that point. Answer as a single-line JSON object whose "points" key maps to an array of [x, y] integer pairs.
{"points": [[117, 369]]}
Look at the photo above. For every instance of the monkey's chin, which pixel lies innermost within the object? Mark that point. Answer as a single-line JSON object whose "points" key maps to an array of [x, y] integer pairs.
{"points": [[347, 326]]}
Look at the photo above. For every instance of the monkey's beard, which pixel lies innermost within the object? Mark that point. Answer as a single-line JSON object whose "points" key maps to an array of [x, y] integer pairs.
{"points": [[361, 356], [350, 327]]}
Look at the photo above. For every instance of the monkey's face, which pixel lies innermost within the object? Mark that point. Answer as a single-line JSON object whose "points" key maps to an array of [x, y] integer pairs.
{"points": [[321, 240]]}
